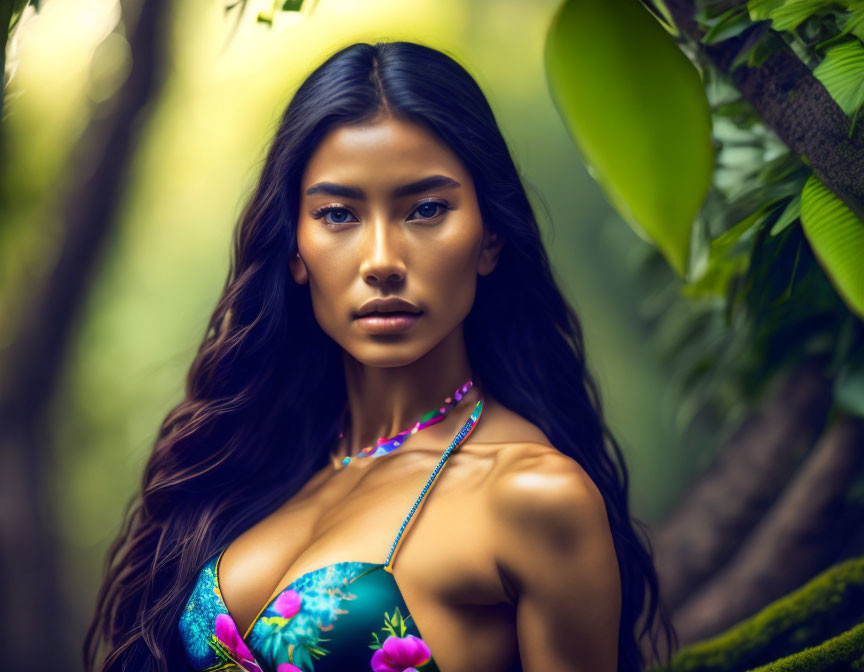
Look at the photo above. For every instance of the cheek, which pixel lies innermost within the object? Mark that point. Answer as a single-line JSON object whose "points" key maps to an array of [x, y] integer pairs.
{"points": [[449, 281], [327, 261], [328, 285], [330, 277]]}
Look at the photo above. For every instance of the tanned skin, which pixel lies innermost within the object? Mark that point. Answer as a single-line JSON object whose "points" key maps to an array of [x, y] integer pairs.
{"points": [[510, 557]]}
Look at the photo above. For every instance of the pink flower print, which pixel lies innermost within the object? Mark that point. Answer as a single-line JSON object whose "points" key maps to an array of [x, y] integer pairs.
{"points": [[227, 633], [400, 654], [287, 604], [288, 667]]}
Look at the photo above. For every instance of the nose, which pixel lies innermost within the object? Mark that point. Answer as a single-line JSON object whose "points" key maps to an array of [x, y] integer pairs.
{"points": [[382, 262]]}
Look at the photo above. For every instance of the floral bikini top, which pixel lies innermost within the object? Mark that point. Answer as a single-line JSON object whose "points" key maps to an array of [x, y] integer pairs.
{"points": [[348, 616]]}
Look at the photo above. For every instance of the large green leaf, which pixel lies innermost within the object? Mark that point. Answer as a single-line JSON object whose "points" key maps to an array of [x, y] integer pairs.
{"points": [[636, 108], [837, 238], [842, 73]]}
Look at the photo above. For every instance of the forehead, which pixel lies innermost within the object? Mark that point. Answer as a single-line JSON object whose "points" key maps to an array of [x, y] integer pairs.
{"points": [[382, 152]]}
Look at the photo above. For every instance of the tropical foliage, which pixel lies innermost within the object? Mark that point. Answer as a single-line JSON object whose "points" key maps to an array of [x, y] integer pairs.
{"points": [[756, 263]]}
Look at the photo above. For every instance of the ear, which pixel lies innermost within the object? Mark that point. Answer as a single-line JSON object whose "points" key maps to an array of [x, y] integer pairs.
{"points": [[298, 269], [492, 245]]}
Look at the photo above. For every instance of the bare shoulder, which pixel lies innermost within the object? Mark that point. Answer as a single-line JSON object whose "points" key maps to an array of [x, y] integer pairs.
{"points": [[535, 483], [553, 549]]}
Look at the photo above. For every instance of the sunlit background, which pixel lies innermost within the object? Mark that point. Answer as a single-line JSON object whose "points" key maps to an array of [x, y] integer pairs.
{"points": [[228, 81]]}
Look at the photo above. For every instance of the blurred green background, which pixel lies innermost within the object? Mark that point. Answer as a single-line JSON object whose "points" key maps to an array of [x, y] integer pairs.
{"points": [[202, 147]]}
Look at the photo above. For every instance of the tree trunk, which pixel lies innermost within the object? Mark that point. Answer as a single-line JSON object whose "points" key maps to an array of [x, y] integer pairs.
{"points": [[799, 537], [32, 616], [749, 472]]}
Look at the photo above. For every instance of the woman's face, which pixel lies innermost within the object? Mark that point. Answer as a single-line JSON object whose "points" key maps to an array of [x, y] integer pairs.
{"points": [[388, 210]]}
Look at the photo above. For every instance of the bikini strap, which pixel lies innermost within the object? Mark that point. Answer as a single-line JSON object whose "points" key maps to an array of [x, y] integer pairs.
{"points": [[460, 437]]}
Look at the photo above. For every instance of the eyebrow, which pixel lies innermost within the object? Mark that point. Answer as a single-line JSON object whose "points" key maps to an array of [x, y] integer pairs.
{"points": [[431, 182]]}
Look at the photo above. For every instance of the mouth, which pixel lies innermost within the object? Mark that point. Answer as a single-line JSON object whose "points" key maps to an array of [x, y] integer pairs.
{"points": [[387, 322]]}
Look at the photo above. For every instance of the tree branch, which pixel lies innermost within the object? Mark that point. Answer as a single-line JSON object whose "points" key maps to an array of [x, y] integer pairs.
{"points": [[793, 103]]}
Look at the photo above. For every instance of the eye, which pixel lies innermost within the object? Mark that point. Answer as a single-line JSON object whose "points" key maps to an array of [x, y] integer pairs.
{"points": [[338, 214], [431, 209], [335, 214]]}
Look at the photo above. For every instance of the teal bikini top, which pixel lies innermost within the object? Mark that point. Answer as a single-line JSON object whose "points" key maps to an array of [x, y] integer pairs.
{"points": [[348, 616]]}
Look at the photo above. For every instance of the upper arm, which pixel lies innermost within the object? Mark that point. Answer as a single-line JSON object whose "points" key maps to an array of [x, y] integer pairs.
{"points": [[553, 541]]}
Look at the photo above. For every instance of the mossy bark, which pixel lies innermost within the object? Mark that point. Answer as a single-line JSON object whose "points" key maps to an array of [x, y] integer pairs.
{"points": [[817, 627]]}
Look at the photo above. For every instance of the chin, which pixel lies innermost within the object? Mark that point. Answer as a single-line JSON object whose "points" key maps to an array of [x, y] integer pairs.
{"points": [[387, 354]]}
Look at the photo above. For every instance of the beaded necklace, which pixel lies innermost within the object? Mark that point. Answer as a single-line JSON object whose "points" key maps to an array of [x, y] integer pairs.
{"points": [[386, 445]]}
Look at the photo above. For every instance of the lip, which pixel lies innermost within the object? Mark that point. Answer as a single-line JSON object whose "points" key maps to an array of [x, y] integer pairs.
{"points": [[387, 305], [382, 323]]}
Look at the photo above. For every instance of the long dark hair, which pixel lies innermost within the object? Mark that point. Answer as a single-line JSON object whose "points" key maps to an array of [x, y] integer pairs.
{"points": [[264, 392]]}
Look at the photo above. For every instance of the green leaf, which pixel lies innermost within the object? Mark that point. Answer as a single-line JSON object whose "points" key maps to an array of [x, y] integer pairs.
{"points": [[760, 10], [715, 281], [757, 52], [661, 12], [636, 108], [854, 21], [837, 238], [793, 12], [227, 660], [729, 24], [842, 73], [728, 256], [790, 214]]}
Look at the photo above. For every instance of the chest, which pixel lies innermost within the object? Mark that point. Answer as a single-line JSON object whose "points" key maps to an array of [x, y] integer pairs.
{"points": [[330, 546]]}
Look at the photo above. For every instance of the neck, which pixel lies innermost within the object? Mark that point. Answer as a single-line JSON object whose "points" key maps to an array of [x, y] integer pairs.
{"points": [[385, 400]]}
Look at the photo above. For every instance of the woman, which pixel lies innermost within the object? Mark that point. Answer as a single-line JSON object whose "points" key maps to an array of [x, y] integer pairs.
{"points": [[388, 260]]}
